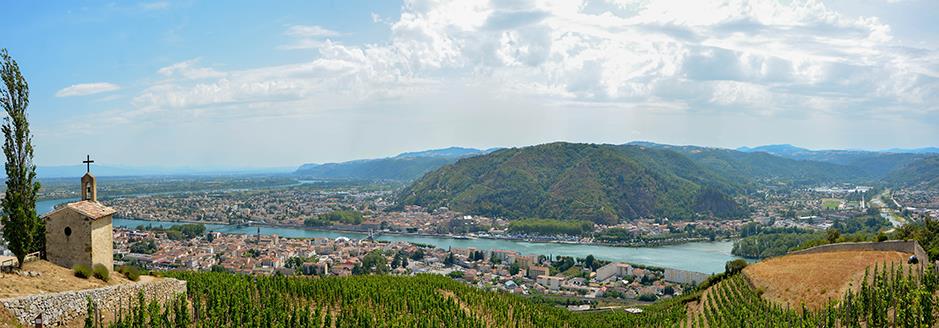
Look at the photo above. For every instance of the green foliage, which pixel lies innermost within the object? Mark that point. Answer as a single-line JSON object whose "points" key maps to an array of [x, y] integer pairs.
{"points": [[373, 263], [762, 242], [341, 216], [231, 300], [22, 229], [591, 262], [455, 274], [768, 245], [922, 173], [647, 298], [599, 183], [148, 246], [190, 230], [131, 272], [551, 227], [82, 271], [734, 266], [179, 231], [759, 167], [90, 310], [925, 232], [101, 272]]}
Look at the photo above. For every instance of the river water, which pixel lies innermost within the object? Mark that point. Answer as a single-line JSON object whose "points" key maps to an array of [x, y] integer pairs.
{"points": [[707, 257]]}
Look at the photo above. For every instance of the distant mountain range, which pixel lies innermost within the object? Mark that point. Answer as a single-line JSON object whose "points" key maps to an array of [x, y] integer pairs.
{"points": [[609, 183], [75, 171], [875, 164], [403, 167]]}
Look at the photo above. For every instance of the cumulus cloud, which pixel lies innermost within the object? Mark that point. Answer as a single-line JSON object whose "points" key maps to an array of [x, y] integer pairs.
{"points": [[85, 89], [761, 57]]}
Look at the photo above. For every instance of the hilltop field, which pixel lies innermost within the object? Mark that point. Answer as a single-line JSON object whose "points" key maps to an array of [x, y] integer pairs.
{"points": [[815, 279]]}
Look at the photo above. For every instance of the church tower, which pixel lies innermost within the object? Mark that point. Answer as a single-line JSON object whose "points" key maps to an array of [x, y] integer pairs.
{"points": [[89, 185]]}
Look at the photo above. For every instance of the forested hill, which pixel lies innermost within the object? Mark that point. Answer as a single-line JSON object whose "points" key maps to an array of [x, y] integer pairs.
{"points": [[756, 166], [403, 167], [922, 173], [601, 183]]}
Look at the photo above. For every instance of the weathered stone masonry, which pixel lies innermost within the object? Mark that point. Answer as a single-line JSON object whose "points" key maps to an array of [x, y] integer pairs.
{"points": [[59, 309]]}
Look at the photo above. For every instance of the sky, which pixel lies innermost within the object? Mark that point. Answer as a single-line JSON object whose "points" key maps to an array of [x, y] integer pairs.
{"points": [[280, 83]]}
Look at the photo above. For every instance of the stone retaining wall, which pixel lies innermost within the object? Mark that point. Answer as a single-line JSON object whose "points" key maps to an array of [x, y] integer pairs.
{"points": [[59, 309]]}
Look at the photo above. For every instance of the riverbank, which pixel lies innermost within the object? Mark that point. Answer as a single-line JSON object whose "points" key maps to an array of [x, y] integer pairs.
{"points": [[706, 257], [365, 230]]}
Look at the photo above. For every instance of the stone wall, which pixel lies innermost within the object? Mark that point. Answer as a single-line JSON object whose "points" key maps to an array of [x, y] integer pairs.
{"points": [[684, 277], [59, 309]]}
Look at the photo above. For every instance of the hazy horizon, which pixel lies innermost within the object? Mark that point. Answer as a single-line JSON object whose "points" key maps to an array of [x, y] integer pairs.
{"points": [[189, 84]]}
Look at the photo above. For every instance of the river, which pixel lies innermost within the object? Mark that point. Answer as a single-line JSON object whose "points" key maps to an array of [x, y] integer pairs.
{"points": [[707, 257]]}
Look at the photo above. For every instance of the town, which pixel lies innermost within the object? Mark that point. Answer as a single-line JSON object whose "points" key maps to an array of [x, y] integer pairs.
{"points": [[584, 279]]}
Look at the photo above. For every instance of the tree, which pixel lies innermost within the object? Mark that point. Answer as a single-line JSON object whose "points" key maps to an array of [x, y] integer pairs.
{"points": [[374, 262], [590, 262], [22, 228], [734, 266], [832, 235], [514, 269], [396, 261], [449, 260]]}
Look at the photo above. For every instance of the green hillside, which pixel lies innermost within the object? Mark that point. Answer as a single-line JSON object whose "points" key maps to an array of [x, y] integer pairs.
{"points": [[922, 173], [755, 167], [600, 183]]}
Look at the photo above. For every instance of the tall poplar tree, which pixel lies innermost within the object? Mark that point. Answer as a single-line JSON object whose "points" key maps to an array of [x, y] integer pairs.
{"points": [[22, 228]]}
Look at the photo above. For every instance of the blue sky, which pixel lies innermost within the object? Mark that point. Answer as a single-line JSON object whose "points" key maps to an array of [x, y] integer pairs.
{"points": [[250, 84]]}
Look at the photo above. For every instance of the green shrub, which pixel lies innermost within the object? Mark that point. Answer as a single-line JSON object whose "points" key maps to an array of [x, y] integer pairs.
{"points": [[82, 271], [648, 297], [101, 272], [131, 272], [734, 266]]}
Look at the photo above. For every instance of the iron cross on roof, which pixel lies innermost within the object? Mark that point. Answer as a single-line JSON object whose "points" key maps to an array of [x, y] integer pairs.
{"points": [[88, 162]]}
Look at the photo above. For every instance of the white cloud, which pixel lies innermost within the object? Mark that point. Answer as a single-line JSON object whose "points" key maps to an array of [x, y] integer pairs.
{"points": [[308, 31], [85, 89], [308, 37], [765, 57], [189, 70]]}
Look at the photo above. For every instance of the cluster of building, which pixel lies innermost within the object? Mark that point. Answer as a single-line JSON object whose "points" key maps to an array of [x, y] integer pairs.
{"points": [[491, 269], [276, 206]]}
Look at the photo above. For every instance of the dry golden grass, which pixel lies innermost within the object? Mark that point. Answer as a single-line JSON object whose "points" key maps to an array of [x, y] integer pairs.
{"points": [[815, 279], [53, 279]]}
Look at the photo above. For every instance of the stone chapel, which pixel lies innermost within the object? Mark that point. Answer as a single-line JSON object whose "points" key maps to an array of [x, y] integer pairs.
{"points": [[80, 232]]}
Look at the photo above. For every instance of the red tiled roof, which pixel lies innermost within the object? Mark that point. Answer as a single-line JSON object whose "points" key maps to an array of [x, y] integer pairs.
{"points": [[90, 209]]}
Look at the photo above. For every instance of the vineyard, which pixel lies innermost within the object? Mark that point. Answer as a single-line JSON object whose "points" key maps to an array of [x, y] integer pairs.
{"points": [[230, 300], [887, 297]]}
